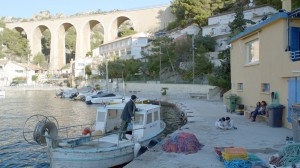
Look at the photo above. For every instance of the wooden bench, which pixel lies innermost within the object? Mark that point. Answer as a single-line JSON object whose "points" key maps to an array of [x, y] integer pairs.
{"points": [[247, 113], [198, 95], [133, 91]]}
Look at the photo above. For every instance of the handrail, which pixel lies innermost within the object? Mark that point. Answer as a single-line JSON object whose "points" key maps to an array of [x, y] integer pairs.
{"points": [[295, 55], [106, 134]]}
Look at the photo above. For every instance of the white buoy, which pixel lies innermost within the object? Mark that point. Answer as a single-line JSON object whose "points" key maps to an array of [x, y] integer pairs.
{"points": [[136, 149]]}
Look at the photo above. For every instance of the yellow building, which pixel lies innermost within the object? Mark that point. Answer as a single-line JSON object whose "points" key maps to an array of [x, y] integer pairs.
{"points": [[265, 60]]}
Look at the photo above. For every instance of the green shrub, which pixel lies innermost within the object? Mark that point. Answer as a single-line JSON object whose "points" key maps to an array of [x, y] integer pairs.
{"points": [[173, 25]]}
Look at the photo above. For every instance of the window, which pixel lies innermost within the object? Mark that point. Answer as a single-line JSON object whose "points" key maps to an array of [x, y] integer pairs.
{"points": [[81, 64], [149, 118], [19, 71], [294, 38], [240, 86], [139, 119], [252, 52], [101, 117], [294, 43], [265, 87], [112, 113], [156, 116]]}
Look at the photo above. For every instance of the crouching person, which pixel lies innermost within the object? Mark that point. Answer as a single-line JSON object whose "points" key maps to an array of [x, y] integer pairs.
{"points": [[220, 123], [229, 123]]}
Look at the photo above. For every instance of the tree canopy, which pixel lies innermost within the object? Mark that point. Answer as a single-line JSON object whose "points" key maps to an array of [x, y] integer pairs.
{"points": [[39, 59], [96, 36], [121, 68], [71, 39], [16, 43], [196, 11]]}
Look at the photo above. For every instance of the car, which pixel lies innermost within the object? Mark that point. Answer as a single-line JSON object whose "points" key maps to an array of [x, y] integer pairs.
{"points": [[13, 83]]}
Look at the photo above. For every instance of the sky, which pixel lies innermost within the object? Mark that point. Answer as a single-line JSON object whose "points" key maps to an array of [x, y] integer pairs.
{"points": [[27, 8]]}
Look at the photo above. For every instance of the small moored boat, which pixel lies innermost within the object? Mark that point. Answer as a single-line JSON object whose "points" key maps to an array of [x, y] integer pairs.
{"points": [[101, 147], [103, 98]]}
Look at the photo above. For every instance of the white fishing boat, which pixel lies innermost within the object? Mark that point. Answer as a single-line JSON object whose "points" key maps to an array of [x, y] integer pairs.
{"points": [[73, 92], [103, 98], [2, 93], [102, 147], [82, 95]]}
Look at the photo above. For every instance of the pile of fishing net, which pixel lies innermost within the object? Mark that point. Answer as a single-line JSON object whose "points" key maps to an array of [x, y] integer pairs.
{"points": [[182, 142], [238, 157], [289, 156]]}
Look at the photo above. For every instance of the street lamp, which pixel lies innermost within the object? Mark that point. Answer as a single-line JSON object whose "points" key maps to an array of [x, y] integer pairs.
{"points": [[193, 53]]}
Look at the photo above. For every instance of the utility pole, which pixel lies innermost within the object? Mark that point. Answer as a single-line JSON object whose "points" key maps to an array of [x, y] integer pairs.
{"points": [[106, 72], [159, 63], [193, 52]]}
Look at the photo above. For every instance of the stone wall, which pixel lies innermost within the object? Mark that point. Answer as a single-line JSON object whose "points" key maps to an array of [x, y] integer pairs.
{"points": [[153, 90]]}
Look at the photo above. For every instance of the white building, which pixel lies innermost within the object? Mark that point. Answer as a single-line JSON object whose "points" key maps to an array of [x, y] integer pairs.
{"points": [[123, 48], [10, 70], [79, 66], [189, 30], [218, 24]]}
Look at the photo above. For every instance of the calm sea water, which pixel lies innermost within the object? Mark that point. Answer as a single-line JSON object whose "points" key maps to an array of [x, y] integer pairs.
{"points": [[17, 106]]}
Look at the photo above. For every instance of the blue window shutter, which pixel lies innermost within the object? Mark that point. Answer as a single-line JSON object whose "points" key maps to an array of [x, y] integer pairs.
{"points": [[294, 39], [294, 43]]}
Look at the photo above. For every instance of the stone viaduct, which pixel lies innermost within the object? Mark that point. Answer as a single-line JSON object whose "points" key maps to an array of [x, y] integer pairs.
{"points": [[143, 20]]}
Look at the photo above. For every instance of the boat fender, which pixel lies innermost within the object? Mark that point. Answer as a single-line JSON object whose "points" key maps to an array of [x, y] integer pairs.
{"points": [[86, 131], [41, 128], [136, 149]]}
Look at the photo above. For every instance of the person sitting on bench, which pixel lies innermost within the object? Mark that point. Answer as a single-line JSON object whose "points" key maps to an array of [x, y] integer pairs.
{"points": [[261, 111]]}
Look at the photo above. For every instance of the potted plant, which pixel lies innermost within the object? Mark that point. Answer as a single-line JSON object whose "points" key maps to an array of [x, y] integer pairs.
{"points": [[164, 91]]}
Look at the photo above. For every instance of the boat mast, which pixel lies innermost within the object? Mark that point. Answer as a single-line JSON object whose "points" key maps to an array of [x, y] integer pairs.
{"points": [[106, 72], [123, 84]]}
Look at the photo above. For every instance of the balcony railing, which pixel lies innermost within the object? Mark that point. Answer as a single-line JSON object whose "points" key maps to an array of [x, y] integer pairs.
{"points": [[295, 55]]}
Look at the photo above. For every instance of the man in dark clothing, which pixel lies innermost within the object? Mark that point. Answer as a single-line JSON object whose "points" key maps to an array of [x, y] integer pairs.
{"points": [[127, 115]]}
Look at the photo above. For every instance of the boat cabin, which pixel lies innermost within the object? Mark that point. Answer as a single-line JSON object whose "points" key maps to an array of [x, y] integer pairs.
{"points": [[146, 120]]}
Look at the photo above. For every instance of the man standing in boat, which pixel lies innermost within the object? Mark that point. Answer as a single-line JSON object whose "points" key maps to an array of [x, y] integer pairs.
{"points": [[127, 115]]}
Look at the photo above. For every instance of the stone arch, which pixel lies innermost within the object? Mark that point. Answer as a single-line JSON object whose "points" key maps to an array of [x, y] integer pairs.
{"points": [[36, 45], [114, 26], [87, 33], [59, 59], [21, 31]]}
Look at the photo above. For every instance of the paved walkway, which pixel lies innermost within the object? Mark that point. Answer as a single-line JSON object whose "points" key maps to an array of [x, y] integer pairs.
{"points": [[256, 137]]}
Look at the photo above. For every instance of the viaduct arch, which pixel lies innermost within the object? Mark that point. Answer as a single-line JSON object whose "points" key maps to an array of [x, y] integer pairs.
{"points": [[143, 20]]}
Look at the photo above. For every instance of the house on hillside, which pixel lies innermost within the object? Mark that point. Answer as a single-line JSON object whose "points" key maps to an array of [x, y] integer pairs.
{"points": [[265, 61], [218, 24], [189, 30], [128, 47], [3, 75], [10, 70]]}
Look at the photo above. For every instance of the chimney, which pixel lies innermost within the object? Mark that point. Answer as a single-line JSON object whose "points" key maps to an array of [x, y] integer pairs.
{"points": [[287, 5]]}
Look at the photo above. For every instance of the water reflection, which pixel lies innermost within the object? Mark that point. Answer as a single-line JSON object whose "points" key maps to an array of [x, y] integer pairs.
{"points": [[17, 106]]}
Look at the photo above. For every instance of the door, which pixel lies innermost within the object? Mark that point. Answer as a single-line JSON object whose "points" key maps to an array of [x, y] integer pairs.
{"points": [[293, 95]]}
